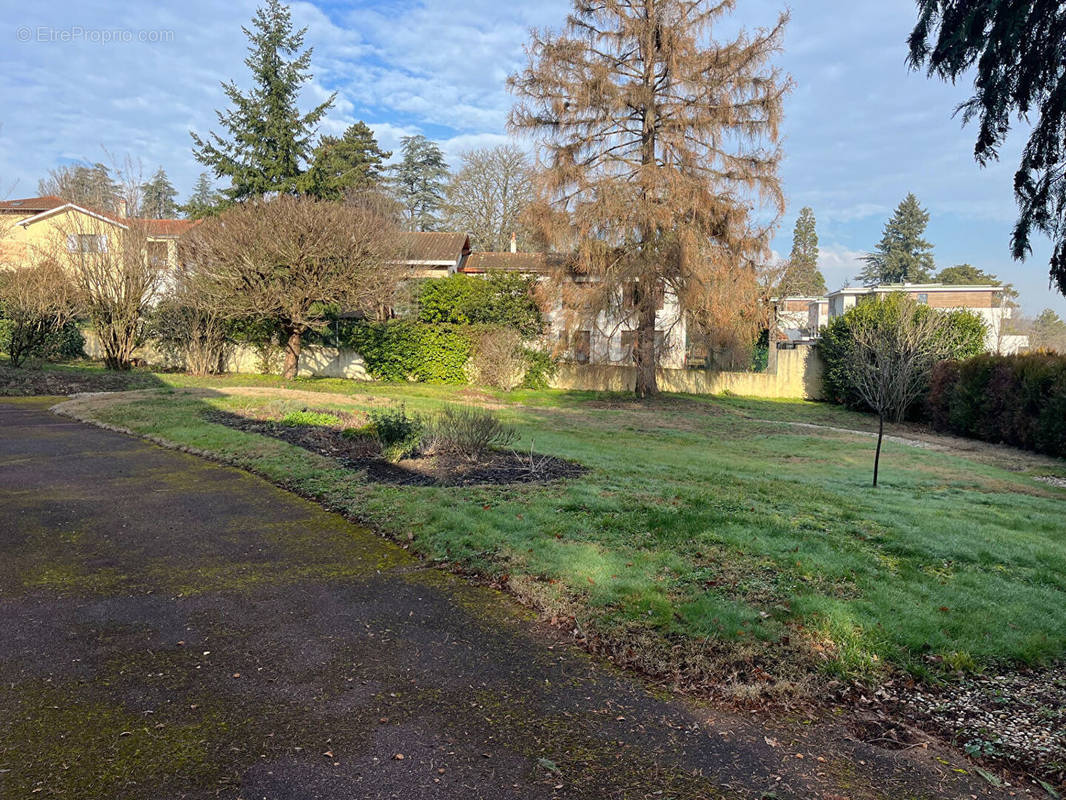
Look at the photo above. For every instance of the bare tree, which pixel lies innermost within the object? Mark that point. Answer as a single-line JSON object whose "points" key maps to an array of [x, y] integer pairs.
{"points": [[892, 355], [290, 259], [488, 196], [658, 141], [116, 276], [37, 300]]}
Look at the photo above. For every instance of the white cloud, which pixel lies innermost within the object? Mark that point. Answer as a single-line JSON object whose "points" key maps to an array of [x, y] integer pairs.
{"points": [[839, 265]]}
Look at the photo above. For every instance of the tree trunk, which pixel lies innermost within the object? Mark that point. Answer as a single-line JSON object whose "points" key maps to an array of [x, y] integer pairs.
{"points": [[292, 355], [880, 438], [644, 355]]}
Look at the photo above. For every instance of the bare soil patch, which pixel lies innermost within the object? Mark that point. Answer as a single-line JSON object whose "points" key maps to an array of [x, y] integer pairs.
{"points": [[361, 453]]}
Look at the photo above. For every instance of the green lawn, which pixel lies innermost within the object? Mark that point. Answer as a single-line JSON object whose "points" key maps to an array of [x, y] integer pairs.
{"points": [[708, 541]]}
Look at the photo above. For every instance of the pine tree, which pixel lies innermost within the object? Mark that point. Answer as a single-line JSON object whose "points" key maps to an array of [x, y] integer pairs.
{"points": [[90, 186], [352, 162], [418, 182], [902, 255], [157, 197], [802, 276], [1015, 52], [966, 275], [269, 141], [204, 200], [659, 142]]}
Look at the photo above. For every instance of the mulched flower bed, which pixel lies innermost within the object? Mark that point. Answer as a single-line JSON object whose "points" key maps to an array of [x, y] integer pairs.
{"points": [[362, 453], [1017, 719]]}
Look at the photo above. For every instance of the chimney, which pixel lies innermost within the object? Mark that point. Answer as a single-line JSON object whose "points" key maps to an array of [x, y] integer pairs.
{"points": [[514, 243], [122, 209]]}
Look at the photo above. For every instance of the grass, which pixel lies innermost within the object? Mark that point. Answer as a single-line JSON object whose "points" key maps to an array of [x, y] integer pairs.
{"points": [[704, 529]]}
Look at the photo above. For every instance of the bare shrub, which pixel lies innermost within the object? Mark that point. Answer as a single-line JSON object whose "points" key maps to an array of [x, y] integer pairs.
{"points": [[36, 302], [498, 359], [468, 432]]}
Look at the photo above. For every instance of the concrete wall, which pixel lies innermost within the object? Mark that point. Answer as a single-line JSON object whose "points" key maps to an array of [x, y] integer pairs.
{"points": [[797, 374], [794, 373]]}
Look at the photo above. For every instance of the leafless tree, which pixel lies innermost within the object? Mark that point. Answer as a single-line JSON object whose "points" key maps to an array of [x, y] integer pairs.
{"points": [[37, 299], [658, 142], [290, 259], [488, 196], [892, 356], [117, 276]]}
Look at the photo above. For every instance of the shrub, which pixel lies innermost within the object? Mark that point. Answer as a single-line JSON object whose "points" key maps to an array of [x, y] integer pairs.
{"points": [[962, 338], [196, 339], [403, 350], [1018, 400], [498, 359], [317, 419], [540, 368], [498, 299], [467, 432], [398, 435]]}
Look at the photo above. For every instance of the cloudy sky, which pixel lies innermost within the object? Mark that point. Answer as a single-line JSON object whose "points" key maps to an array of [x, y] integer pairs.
{"points": [[81, 80]]}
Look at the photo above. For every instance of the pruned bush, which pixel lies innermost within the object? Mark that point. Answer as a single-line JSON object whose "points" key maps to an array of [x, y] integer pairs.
{"points": [[962, 336], [190, 336], [498, 359], [1018, 400], [398, 434], [467, 432]]}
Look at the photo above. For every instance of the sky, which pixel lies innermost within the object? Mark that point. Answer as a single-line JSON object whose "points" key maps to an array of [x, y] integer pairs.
{"points": [[95, 80]]}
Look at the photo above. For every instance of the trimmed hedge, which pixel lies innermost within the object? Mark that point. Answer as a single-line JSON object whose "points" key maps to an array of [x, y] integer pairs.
{"points": [[1018, 400], [404, 350], [499, 298], [965, 339]]}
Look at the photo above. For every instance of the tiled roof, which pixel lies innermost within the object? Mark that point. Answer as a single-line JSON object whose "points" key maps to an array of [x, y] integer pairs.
{"points": [[41, 205], [33, 205], [436, 246], [511, 262]]}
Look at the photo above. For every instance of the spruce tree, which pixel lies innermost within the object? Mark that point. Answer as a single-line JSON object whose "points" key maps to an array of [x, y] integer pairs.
{"points": [[351, 162], [157, 197], [418, 182], [267, 140], [89, 186], [204, 200], [902, 255], [802, 276]]}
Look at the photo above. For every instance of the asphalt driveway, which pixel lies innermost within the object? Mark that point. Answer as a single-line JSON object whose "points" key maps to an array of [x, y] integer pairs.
{"points": [[172, 628]]}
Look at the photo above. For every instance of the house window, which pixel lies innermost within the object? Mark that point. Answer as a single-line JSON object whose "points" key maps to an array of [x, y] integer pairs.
{"points": [[581, 346], [87, 243], [923, 299]]}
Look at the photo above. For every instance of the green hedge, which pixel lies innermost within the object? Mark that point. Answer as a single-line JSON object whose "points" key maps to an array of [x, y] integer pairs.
{"points": [[405, 350], [499, 298], [965, 340], [1018, 400]]}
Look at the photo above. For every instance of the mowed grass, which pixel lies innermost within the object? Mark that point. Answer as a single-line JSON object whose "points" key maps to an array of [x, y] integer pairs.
{"points": [[704, 522]]}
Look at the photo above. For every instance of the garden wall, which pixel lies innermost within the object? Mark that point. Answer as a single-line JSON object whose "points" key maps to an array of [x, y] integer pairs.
{"points": [[795, 373]]}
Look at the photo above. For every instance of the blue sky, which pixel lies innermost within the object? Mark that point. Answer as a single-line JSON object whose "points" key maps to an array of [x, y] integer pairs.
{"points": [[79, 80]]}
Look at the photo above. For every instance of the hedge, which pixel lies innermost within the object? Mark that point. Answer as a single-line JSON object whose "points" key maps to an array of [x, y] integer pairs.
{"points": [[1018, 400], [499, 298], [404, 350], [965, 339]]}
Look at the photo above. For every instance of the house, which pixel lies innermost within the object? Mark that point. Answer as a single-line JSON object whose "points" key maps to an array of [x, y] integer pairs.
{"points": [[434, 254], [585, 339], [794, 316], [36, 223], [984, 300]]}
